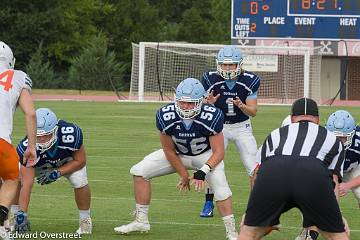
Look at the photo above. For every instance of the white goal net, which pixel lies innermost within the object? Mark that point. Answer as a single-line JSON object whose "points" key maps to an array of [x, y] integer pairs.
{"points": [[286, 73]]}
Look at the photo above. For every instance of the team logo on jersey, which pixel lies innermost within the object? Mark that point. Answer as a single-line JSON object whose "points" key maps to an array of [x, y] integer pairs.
{"points": [[178, 127], [55, 161], [247, 125]]}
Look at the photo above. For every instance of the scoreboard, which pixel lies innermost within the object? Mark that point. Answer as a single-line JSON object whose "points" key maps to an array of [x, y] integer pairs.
{"points": [[333, 20]]}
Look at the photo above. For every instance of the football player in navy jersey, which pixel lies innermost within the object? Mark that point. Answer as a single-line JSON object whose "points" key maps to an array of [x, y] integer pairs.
{"points": [[60, 152], [192, 139], [343, 125], [234, 91]]}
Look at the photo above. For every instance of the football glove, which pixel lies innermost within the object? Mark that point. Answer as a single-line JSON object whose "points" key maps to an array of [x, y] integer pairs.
{"points": [[22, 223], [47, 177], [201, 173]]}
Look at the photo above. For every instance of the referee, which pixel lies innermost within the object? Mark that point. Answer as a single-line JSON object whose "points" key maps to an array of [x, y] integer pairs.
{"points": [[301, 164]]}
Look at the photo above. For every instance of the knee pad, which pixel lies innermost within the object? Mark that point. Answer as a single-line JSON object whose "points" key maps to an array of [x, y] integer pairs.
{"points": [[78, 179], [218, 183], [136, 170], [222, 193]]}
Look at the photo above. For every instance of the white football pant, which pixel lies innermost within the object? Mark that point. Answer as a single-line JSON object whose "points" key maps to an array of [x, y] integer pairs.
{"points": [[245, 142], [77, 179], [155, 165], [351, 175]]}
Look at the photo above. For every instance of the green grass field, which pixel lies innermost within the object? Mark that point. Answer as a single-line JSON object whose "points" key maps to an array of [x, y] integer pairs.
{"points": [[116, 136]]}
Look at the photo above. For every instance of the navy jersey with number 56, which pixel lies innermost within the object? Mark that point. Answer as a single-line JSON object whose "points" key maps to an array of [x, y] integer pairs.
{"points": [[246, 85], [352, 156], [69, 140], [190, 140]]}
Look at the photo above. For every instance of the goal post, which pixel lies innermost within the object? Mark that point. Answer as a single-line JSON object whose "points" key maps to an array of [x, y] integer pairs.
{"points": [[286, 73]]}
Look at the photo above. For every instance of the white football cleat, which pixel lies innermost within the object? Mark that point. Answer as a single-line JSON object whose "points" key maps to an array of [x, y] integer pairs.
{"points": [[230, 229], [304, 235], [134, 226], [4, 234], [231, 235], [9, 223], [85, 226]]}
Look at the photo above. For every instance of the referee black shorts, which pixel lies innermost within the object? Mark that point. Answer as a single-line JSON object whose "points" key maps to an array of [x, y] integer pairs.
{"points": [[287, 182]]}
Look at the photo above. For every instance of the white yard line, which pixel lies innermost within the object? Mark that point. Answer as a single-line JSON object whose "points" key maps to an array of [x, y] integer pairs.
{"points": [[49, 220], [153, 199]]}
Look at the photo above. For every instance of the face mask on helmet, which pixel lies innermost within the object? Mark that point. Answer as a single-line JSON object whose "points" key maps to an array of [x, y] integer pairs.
{"points": [[7, 59], [229, 55], [342, 124], [46, 126], [189, 97]]}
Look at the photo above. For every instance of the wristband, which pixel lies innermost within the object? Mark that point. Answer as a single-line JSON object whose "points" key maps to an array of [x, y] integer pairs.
{"points": [[205, 168]]}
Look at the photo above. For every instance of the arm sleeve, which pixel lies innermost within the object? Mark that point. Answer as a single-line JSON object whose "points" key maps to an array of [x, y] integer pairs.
{"points": [[218, 123], [160, 125], [79, 137], [254, 86], [20, 149], [252, 96], [205, 81]]}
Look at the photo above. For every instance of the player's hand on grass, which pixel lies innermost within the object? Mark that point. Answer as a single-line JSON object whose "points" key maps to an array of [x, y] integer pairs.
{"points": [[22, 223]]}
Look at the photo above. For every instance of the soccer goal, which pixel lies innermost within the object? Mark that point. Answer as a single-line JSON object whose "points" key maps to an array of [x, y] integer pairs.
{"points": [[286, 73]]}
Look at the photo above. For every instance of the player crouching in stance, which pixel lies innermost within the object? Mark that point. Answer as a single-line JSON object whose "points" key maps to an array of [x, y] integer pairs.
{"points": [[342, 124], [61, 153], [192, 139]]}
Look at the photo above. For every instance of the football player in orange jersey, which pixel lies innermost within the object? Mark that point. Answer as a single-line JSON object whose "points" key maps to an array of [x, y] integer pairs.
{"points": [[15, 87]]}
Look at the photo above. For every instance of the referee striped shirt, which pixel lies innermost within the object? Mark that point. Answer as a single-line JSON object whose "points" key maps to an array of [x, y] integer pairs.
{"points": [[305, 140]]}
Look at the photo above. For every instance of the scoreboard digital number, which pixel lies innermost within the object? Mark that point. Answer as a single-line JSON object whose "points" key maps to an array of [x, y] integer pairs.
{"points": [[299, 19]]}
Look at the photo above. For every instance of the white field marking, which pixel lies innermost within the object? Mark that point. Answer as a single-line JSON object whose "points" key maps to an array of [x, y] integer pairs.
{"points": [[50, 220], [125, 117], [107, 168], [153, 199], [152, 183], [102, 180], [112, 167], [114, 157], [113, 148], [127, 199]]}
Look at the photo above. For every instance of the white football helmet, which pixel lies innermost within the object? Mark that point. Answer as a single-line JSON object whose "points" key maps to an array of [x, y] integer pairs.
{"points": [[46, 124], [342, 124], [7, 59], [229, 55], [192, 91]]}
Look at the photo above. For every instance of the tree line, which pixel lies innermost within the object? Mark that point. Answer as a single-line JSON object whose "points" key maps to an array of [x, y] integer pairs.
{"points": [[65, 44]]}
